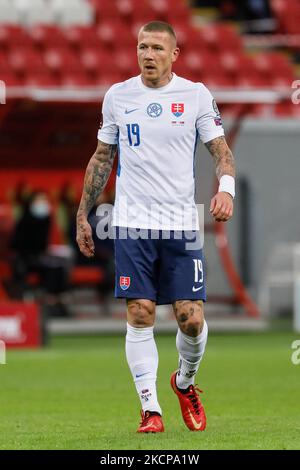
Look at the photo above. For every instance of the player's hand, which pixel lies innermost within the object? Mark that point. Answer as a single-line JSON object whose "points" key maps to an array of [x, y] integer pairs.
{"points": [[221, 206], [84, 238]]}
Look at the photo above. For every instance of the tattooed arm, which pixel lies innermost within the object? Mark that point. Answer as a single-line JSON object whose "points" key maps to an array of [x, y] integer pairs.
{"points": [[96, 176], [221, 206]]}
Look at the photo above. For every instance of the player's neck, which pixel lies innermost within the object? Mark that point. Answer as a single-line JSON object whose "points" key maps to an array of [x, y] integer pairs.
{"points": [[163, 81]]}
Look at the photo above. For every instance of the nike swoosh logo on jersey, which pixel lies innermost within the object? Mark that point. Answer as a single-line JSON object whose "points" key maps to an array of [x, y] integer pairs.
{"points": [[195, 289], [141, 375], [195, 424], [128, 111]]}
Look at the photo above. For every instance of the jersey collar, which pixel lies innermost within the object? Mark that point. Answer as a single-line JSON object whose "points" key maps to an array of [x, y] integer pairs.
{"points": [[161, 89]]}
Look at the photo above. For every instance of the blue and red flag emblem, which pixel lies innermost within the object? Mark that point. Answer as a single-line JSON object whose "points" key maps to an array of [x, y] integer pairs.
{"points": [[124, 282], [177, 109]]}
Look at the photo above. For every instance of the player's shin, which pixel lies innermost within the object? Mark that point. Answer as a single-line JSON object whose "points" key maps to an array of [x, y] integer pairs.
{"points": [[142, 358], [191, 351]]}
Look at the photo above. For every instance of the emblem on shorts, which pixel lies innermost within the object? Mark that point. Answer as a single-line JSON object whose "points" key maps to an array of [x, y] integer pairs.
{"points": [[177, 109], [124, 282], [154, 110]]}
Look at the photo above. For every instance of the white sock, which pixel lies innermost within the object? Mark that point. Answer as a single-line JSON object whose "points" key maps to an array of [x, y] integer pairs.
{"points": [[191, 350], [142, 358]]}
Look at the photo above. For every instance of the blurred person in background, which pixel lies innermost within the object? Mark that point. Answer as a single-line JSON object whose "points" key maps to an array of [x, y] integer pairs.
{"points": [[18, 197], [154, 119], [30, 244], [255, 15], [104, 249]]}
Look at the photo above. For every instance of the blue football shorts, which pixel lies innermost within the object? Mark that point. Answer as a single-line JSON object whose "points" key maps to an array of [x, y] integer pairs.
{"points": [[159, 269]]}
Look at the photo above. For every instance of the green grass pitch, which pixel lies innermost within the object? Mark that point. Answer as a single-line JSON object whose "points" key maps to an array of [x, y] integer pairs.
{"points": [[78, 394]]}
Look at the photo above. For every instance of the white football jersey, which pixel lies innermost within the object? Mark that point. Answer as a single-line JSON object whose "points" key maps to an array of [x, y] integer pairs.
{"points": [[156, 130]]}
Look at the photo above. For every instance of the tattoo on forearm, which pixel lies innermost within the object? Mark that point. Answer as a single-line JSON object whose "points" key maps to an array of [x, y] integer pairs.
{"points": [[96, 176], [222, 156]]}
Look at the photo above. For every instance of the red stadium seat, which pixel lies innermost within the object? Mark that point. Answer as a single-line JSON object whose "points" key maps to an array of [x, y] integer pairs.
{"points": [[24, 58], [76, 80], [230, 62], [292, 24], [11, 36], [178, 11], [10, 79], [194, 61], [197, 61], [43, 36], [236, 66], [81, 36], [221, 37], [287, 13], [126, 8], [254, 80], [282, 81], [41, 80], [182, 31], [112, 34], [143, 15], [179, 66], [3, 62], [104, 9], [107, 79], [194, 40], [245, 68], [94, 59], [125, 60], [272, 63], [218, 81], [61, 59], [160, 9], [285, 109]]}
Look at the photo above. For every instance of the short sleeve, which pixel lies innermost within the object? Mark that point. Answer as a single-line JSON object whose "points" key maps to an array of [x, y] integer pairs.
{"points": [[108, 132], [209, 122]]}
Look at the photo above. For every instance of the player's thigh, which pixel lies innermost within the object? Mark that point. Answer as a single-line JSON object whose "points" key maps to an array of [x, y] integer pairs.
{"points": [[181, 271], [190, 316], [135, 273], [140, 312]]}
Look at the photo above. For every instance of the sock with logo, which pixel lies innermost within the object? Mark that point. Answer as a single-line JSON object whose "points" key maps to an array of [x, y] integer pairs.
{"points": [[191, 350], [142, 358]]}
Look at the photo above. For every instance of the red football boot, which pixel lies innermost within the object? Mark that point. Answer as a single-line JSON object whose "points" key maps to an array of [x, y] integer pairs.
{"points": [[151, 422], [191, 407]]}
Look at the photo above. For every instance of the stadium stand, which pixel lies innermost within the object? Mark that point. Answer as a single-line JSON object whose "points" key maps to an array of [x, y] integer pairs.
{"points": [[90, 43], [50, 43]]}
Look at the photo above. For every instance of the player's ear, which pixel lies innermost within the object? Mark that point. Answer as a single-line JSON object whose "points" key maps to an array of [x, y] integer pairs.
{"points": [[175, 54]]}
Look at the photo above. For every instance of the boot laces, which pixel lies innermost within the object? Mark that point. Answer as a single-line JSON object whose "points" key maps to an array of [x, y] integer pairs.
{"points": [[144, 417], [193, 396]]}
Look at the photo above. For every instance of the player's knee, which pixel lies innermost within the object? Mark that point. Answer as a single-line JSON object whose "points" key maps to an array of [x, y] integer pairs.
{"points": [[191, 318], [194, 327], [140, 313]]}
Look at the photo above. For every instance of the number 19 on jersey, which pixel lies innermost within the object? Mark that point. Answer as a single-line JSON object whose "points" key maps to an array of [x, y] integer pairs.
{"points": [[133, 132]]}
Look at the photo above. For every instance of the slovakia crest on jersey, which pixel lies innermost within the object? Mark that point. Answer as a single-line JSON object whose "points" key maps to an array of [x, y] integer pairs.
{"points": [[177, 109], [124, 282]]}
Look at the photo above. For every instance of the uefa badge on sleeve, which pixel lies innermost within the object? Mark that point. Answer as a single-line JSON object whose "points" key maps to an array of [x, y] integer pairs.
{"points": [[124, 282], [218, 121]]}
